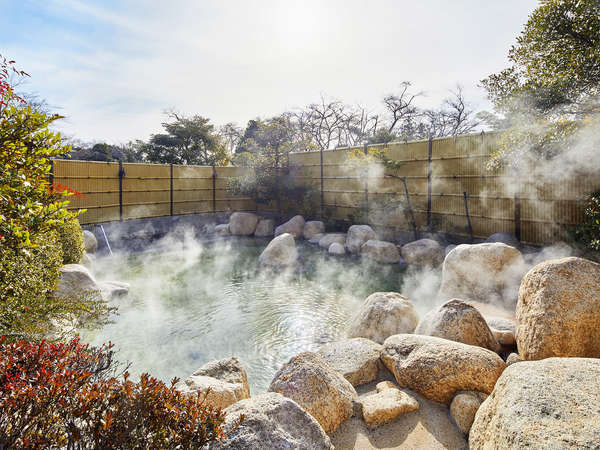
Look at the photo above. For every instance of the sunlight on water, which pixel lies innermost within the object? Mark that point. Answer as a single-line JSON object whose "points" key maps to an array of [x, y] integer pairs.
{"points": [[191, 303]]}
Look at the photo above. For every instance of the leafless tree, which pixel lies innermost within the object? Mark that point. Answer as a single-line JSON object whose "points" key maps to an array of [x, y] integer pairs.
{"points": [[331, 123], [359, 125], [323, 121], [458, 115], [454, 117], [401, 106]]}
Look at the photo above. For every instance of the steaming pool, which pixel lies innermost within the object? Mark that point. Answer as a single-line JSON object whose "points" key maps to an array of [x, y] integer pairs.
{"points": [[191, 303]]}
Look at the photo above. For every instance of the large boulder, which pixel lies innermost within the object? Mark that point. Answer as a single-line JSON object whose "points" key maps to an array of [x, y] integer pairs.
{"points": [[386, 384], [271, 421], [336, 249], [558, 312], [357, 236], [384, 314], [330, 238], [318, 388], [225, 380], [463, 408], [243, 223], [294, 226], [489, 272], [220, 393], [458, 321], [312, 228], [356, 359], [110, 289], [76, 281], [90, 242], [281, 252], [316, 238], [381, 251], [424, 252], [222, 229], [265, 228], [229, 370], [386, 405], [552, 403], [437, 368]]}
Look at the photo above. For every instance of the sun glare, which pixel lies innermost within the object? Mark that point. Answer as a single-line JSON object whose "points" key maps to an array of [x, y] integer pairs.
{"points": [[299, 26]]}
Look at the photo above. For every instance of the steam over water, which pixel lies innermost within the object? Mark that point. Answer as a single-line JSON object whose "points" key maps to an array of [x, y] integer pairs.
{"points": [[191, 303]]}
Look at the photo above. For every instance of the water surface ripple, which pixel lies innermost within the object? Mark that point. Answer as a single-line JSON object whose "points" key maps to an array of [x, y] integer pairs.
{"points": [[191, 303]]}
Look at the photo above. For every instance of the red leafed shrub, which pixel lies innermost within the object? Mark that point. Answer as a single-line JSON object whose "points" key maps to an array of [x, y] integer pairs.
{"points": [[67, 396]]}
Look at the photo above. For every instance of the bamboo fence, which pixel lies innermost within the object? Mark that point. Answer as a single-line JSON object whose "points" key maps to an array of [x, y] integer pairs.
{"points": [[442, 185], [114, 191]]}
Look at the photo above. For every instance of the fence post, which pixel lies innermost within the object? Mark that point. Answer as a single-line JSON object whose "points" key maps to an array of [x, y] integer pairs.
{"points": [[121, 175], [469, 226], [517, 201], [214, 189], [171, 190], [366, 151], [410, 210], [322, 187], [429, 154]]}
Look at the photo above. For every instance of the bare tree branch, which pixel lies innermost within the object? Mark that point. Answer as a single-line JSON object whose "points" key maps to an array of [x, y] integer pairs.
{"points": [[400, 106]]}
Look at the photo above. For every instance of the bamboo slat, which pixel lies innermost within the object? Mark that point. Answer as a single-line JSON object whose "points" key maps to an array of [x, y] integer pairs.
{"points": [[457, 165]]}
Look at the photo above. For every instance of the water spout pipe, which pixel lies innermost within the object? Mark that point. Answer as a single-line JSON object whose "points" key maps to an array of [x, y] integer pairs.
{"points": [[106, 240]]}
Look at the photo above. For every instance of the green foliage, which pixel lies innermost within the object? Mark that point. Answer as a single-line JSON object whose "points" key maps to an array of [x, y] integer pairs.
{"points": [[249, 133], [267, 184], [587, 233], [70, 237], [188, 140], [28, 280], [272, 141], [28, 307], [244, 159], [272, 178], [62, 396], [130, 152], [382, 136], [37, 232], [28, 204], [553, 84], [556, 60]]}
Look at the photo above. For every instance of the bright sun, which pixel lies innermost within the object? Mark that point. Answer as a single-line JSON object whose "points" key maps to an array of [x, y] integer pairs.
{"points": [[300, 25]]}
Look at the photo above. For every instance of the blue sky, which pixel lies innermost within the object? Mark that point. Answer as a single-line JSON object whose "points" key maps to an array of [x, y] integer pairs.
{"points": [[113, 67]]}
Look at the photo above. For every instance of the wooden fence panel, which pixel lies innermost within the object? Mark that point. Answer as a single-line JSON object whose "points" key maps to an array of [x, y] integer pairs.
{"points": [[146, 190], [192, 189], [97, 185], [436, 185], [225, 201], [437, 176]]}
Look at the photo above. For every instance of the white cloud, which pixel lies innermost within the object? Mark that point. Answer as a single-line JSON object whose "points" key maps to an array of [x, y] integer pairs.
{"points": [[119, 67]]}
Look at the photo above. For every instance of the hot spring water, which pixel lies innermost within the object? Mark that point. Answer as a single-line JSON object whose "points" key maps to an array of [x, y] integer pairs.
{"points": [[191, 303]]}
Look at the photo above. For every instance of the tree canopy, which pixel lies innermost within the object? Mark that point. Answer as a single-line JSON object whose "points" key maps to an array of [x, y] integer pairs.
{"points": [[267, 153], [555, 63], [188, 140], [551, 89]]}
